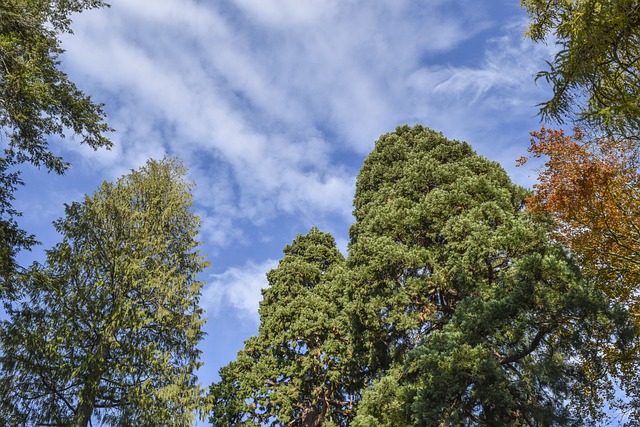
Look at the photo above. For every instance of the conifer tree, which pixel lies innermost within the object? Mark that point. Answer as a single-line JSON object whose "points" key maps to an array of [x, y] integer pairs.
{"points": [[106, 331], [464, 311], [294, 372]]}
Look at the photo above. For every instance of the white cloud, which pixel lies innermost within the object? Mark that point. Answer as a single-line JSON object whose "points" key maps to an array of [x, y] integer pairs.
{"points": [[259, 97], [238, 288], [508, 67], [291, 12]]}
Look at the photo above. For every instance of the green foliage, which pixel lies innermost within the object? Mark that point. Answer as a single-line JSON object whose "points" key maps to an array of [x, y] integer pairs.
{"points": [[463, 311], [594, 75], [12, 238], [108, 328], [295, 372], [37, 101], [384, 404], [452, 309], [433, 221]]}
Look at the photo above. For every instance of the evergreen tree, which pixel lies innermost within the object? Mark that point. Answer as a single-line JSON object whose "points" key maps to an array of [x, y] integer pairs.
{"points": [[295, 371], [466, 314], [107, 330]]}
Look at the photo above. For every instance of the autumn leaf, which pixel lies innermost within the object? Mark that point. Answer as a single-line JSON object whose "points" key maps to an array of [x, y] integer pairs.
{"points": [[591, 189]]}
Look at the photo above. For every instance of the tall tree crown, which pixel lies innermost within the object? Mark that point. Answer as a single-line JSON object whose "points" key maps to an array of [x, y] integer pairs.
{"points": [[110, 326], [433, 220], [466, 313], [294, 372]]}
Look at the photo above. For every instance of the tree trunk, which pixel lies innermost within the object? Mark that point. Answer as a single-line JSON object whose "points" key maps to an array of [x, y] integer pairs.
{"points": [[89, 393], [310, 416], [87, 402], [83, 413]]}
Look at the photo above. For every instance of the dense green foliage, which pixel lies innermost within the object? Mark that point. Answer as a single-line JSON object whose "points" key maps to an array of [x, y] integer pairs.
{"points": [[107, 329], [37, 101], [451, 309], [468, 315], [595, 74], [295, 372]]}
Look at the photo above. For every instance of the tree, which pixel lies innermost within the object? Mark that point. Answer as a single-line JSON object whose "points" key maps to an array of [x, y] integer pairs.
{"points": [[466, 314], [591, 191], [107, 329], [589, 185], [37, 101], [37, 98], [595, 75], [295, 371], [12, 237]]}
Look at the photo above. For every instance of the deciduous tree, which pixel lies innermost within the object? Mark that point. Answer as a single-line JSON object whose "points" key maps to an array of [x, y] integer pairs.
{"points": [[37, 102], [107, 330], [595, 75], [12, 237], [591, 190], [37, 99]]}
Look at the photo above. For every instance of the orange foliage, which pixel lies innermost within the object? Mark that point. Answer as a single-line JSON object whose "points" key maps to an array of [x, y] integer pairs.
{"points": [[591, 189]]}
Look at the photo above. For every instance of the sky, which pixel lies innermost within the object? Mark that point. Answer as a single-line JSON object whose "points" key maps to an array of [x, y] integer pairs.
{"points": [[273, 105]]}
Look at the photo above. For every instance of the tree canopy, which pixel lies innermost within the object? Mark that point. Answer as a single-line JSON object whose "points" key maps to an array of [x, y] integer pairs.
{"points": [[37, 99], [107, 329], [452, 308], [595, 75], [456, 305], [591, 190], [589, 185], [467, 313], [295, 372]]}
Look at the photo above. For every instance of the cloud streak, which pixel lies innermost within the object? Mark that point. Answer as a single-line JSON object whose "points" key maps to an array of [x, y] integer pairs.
{"points": [[273, 105], [239, 288], [265, 90]]}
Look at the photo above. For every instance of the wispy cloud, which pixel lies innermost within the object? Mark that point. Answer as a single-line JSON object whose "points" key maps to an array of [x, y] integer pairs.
{"points": [[238, 288], [265, 99], [267, 91]]}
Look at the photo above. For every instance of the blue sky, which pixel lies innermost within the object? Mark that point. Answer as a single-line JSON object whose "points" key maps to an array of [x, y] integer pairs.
{"points": [[273, 105]]}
